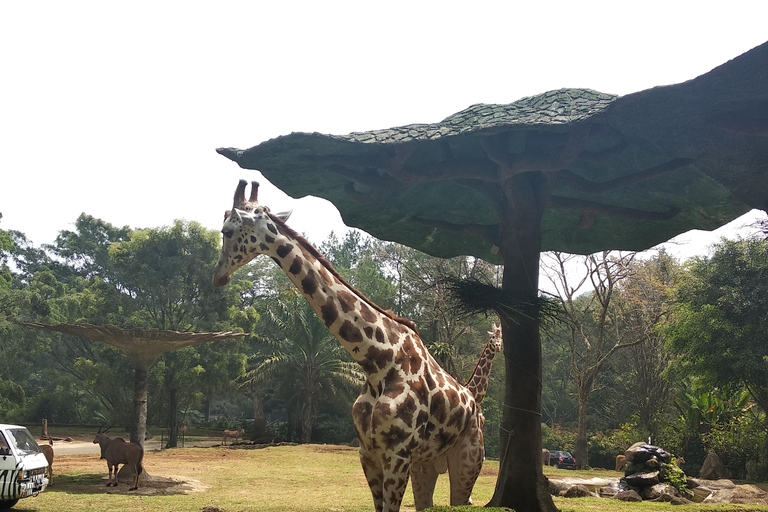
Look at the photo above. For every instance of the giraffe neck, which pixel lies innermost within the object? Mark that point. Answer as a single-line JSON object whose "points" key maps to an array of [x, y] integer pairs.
{"points": [[478, 381], [371, 335]]}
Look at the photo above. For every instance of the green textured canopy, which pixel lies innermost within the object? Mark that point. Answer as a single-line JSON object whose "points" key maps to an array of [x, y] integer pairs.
{"points": [[619, 172]]}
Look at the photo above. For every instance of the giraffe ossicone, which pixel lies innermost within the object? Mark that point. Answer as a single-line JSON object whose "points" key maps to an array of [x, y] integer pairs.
{"points": [[412, 418]]}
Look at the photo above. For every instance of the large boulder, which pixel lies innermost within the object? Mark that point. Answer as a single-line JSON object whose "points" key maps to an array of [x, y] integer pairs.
{"points": [[713, 469], [640, 453], [741, 494]]}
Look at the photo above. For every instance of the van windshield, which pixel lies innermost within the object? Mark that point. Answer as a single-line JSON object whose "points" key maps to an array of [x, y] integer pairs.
{"points": [[22, 440]]}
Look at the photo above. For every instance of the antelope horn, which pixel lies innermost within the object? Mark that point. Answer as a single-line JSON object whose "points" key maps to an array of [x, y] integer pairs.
{"points": [[254, 191]]}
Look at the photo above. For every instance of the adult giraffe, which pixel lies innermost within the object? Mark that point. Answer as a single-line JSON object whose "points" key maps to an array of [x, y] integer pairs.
{"points": [[412, 417]]}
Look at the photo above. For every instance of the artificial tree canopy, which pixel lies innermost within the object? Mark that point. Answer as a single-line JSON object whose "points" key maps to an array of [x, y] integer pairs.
{"points": [[141, 346], [619, 172]]}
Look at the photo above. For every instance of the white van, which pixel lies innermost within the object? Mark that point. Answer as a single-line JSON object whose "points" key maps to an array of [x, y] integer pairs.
{"points": [[22, 466]]}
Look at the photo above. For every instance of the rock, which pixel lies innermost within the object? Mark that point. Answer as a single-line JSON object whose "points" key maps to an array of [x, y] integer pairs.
{"points": [[557, 488], [713, 469], [629, 495], [740, 494], [655, 492], [644, 479], [212, 508], [642, 452], [672, 500], [578, 491]]}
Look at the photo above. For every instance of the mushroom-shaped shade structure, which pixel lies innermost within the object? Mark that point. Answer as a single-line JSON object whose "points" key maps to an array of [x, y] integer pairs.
{"points": [[142, 347], [618, 172], [571, 170]]}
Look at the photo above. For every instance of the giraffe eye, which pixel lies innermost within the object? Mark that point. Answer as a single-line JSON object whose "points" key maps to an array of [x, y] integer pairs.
{"points": [[227, 233]]}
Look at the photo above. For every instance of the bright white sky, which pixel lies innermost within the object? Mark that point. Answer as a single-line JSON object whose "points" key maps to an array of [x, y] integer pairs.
{"points": [[115, 109]]}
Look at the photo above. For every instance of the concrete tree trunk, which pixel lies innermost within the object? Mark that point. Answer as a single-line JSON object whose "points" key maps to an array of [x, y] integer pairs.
{"points": [[520, 432], [139, 420]]}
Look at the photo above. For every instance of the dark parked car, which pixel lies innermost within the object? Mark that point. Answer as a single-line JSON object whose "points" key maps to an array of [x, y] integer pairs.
{"points": [[562, 460]]}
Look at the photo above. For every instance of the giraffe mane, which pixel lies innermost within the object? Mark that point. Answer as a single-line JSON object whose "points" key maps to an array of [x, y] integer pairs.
{"points": [[328, 266]]}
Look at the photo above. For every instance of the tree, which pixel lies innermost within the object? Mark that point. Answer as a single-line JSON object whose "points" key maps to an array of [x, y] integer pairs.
{"points": [[720, 324], [643, 306], [308, 366], [593, 334]]}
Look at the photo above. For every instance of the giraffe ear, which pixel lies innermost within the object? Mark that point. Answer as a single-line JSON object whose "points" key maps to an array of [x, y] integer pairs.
{"points": [[283, 216]]}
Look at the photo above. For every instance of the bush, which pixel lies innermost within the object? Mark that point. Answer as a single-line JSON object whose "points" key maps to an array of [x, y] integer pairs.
{"points": [[558, 438], [605, 446]]}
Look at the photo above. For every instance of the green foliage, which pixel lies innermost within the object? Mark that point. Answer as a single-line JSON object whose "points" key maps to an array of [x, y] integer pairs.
{"points": [[721, 320], [303, 362], [604, 446], [491, 434], [557, 437], [672, 474]]}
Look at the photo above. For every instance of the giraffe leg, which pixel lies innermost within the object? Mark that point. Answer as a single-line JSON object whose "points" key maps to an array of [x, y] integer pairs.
{"points": [[396, 473], [387, 480], [375, 477], [464, 464], [423, 479]]}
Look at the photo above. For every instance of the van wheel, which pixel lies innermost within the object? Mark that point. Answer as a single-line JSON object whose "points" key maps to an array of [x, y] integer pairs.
{"points": [[6, 504]]}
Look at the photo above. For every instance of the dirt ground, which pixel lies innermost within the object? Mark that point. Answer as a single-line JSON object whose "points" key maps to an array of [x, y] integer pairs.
{"points": [[176, 470], [176, 466]]}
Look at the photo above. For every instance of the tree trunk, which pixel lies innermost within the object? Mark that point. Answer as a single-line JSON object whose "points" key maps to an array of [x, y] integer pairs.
{"points": [[139, 420], [521, 484], [173, 418], [207, 407], [307, 423], [582, 450], [259, 422]]}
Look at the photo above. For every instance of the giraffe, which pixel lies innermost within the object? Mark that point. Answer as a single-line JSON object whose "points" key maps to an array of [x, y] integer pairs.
{"points": [[411, 417], [478, 381]]}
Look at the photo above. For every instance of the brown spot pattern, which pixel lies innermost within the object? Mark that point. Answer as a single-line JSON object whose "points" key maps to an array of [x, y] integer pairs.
{"points": [[350, 333], [346, 300], [296, 265], [329, 312], [284, 250], [309, 284]]}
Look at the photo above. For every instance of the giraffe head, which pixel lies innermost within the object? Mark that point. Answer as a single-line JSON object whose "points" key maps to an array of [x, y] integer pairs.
{"points": [[249, 230], [496, 341]]}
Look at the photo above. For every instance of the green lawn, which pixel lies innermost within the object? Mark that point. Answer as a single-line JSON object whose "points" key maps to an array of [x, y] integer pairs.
{"points": [[304, 478]]}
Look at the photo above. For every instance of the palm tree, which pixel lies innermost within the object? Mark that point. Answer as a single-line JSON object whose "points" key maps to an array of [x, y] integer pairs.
{"points": [[307, 365]]}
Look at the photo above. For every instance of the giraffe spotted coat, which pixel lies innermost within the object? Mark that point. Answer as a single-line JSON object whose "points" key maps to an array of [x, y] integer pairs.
{"points": [[412, 418], [478, 381]]}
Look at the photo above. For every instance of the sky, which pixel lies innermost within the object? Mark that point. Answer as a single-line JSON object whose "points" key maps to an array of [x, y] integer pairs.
{"points": [[115, 109]]}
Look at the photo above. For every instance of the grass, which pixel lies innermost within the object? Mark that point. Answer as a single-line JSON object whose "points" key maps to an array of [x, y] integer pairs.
{"points": [[307, 478]]}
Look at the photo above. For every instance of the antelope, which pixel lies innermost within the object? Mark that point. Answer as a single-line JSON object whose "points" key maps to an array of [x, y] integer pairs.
{"points": [[116, 451], [47, 450], [234, 434]]}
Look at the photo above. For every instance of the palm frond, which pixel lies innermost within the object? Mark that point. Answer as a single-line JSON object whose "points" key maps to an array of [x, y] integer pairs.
{"points": [[475, 297]]}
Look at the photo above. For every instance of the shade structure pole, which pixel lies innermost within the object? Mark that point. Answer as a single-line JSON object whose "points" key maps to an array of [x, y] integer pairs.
{"points": [[139, 420], [521, 484]]}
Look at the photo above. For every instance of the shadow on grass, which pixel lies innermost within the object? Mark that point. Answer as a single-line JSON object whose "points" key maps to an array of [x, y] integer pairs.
{"points": [[95, 483]]}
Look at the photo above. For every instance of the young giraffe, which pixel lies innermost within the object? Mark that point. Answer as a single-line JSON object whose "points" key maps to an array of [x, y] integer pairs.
{"points": [[411, 417], [478, 381]]}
